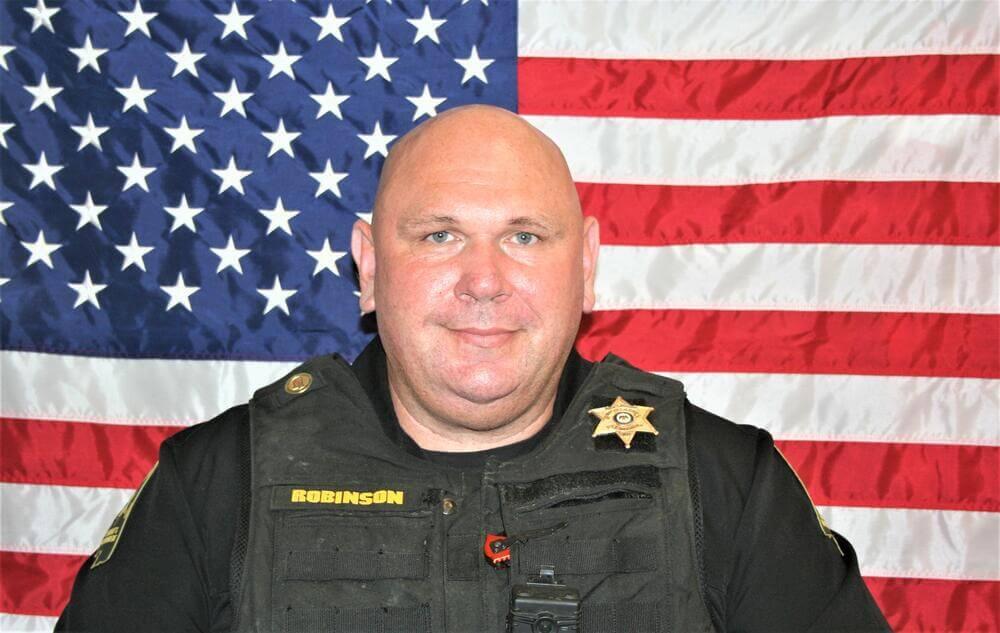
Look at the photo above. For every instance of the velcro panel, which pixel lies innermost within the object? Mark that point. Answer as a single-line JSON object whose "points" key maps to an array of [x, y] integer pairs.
{"points": [[594, 556], [382, 619], [615, 617], [354, 565], [464, 554]]}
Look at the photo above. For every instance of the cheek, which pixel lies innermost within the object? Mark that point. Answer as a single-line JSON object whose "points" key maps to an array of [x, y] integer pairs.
{"points": [[406, 288]]}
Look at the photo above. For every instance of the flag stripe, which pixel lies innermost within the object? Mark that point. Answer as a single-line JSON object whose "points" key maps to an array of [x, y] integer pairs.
{"points": [[16, 623], [927, 604], [869, 474], [874, 343], [755, 29], [758, 89], [955, 213], [36, 584], [811, 277], [735, 152]]}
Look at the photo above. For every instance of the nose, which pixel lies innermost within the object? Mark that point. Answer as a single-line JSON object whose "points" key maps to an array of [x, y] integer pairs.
{"points": [[483, 278]]}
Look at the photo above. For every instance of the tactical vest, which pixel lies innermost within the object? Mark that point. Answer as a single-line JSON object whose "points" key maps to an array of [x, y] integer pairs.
{"points": [[349, 533]]}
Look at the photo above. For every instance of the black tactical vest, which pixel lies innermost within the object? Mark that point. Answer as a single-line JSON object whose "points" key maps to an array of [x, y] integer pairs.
{"points": [[349, 533]]}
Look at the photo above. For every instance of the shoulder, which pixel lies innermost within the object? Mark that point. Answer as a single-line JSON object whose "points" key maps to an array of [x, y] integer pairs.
{"points": [[725, 454], [211, 440]]}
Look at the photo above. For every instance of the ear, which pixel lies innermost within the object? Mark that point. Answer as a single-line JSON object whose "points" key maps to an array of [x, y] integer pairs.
{"points": [[591, 246], [363, 252]]}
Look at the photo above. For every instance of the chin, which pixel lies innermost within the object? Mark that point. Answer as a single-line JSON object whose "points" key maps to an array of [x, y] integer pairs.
{"points": [[482, 385]]}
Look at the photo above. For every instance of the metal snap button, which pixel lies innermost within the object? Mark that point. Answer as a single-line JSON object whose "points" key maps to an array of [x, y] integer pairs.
{"points": [[448, 506]]}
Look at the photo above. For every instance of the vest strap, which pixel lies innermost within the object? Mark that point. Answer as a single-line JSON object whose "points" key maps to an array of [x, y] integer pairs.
{"points": [[382, 619], [354, 565], [614, 617], [592, 556]]}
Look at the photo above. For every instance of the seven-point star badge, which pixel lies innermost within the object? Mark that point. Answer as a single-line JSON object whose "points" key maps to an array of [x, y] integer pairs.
{"points": [[624, 420]]}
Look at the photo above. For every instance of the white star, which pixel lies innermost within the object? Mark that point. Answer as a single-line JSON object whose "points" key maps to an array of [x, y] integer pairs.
{"points": [[183, 136], [135, 174], [281, 139], [277, 297], [4, 280], [367, 217], [185, 60], [279, 217], [3, 55], [474, 66], [43, 93], [234, 21], [229, 256], [281, 62], [87, 55], [41, 172], [329, 101], [41, 251], [183, 215], [86, 292], [486, 3], [426, 103], [179, 293], [90, 134], [326, 258], [4, 128], [330, 24], [137, 19], [41, 15], [426, 26], [378, 64], [135, 95], [90, 213], [232, 176], [4, 205], [133, 253], [233, 99], [328, 180], [378, 143]]}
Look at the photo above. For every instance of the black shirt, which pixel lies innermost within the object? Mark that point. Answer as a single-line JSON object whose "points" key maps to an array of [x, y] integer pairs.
{"points": [[767, 564]]}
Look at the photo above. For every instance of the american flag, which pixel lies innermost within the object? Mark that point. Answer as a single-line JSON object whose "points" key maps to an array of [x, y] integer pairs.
{"points": [[799, 204]]}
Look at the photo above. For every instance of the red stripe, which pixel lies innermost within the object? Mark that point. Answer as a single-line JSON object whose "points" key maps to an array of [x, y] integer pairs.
{"points": [[959, 213], [927, 605], [919, 476], [873, 343], [36, 584], [758, 89], [77, 453]]}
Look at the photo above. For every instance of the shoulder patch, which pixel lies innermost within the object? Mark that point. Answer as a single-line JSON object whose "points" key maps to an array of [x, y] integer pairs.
{"points": [[110, 539], [827, 532]]}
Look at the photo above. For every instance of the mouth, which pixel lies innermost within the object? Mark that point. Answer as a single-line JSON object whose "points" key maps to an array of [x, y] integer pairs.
{"points": [[484, 337]]}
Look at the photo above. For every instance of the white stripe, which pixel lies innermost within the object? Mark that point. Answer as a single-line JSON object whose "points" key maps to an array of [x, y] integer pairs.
{"points": [[756, 29], [834, 408], [16, 623], [849, 277], [907, 543], [127, 391], [732, 152], [56, 519], [921, 543]]}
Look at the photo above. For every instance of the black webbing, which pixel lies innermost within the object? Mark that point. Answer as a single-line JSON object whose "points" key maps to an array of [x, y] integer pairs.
{"points": [[354, 565], [595, 556], [240, 537], [368, 620], [464, 554], [618, 617]]}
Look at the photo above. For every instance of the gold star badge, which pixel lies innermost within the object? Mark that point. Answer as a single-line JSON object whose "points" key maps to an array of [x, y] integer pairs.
{"points": [[624, 420]]}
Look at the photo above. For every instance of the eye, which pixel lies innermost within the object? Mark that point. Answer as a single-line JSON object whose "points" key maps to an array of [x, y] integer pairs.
{"points": [[524, 238], [439, 237]]}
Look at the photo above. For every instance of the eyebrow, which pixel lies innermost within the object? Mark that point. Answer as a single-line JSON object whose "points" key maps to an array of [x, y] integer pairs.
{"points": [[413, 224]]}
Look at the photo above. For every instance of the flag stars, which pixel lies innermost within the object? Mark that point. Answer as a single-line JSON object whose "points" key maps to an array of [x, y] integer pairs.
{"points": [[179, 293], [326, 258], [89, 212], [4, 128], [86, 292], [330, 24], [234, 21], [136, 174], [279, 217], [474, 66], [4, 50], [426, 26], [43, 172], [90, 134], [329, 102], [183, 215], [183, 136], [281, 62], [328, 180], [40, 250], [135, 95], [133, 252], [277, 297], [41, 15], [4, 205], [377, 142], [43, 94], [87, 55], [233, 100], [185, 60], [232, 176], [378, 64], [3, 280], [426, 104], [138, 20], [230, 256], [281, 139]]}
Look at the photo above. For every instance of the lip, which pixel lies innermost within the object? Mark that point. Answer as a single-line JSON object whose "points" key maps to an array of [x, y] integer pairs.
{"points": [[484, 337]]}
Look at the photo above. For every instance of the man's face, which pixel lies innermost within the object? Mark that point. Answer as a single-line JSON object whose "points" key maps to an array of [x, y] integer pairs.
{"points": [[482, 271]]}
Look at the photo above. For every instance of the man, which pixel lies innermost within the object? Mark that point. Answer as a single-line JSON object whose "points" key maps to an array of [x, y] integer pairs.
{"points": [[469, 448]]}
